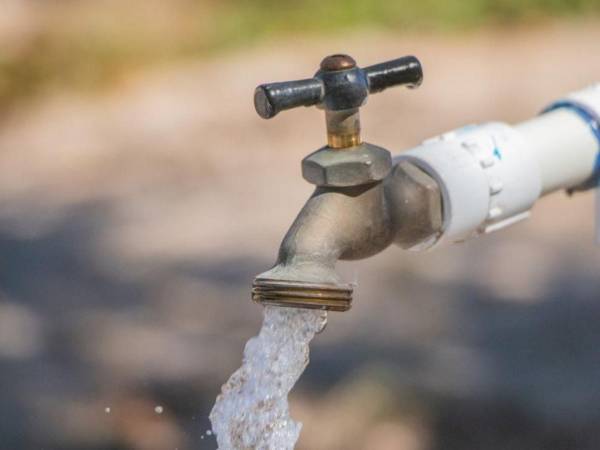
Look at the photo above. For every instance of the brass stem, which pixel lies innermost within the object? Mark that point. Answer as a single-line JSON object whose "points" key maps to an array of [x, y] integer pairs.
{"points": [[343, 128]]}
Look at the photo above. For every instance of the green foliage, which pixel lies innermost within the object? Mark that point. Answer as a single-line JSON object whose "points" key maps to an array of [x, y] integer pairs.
{"points": [[268, 16]]}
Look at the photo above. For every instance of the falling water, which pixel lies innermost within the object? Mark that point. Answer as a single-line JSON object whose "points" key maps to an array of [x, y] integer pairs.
{"points": [[252, 410]]}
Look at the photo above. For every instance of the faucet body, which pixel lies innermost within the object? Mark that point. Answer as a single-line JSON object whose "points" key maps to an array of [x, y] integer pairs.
{"points": [[349, 223], [462, 184]]}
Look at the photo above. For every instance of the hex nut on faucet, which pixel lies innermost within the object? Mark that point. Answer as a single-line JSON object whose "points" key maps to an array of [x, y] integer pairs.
{"points": [[356, 166], [418, 206]]}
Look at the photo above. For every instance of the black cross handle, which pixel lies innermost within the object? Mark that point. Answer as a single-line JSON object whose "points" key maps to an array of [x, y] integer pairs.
{"points": [[338, 85]]}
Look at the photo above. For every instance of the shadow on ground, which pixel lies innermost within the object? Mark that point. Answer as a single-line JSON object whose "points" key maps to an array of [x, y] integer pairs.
{"points": [[500, 374]]}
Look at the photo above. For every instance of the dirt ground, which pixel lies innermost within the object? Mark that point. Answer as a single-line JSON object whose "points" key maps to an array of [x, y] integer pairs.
{"points": [[133, 221]]}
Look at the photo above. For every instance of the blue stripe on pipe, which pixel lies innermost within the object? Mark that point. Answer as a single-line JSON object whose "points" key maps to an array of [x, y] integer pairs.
{"points": [[593, 121]]}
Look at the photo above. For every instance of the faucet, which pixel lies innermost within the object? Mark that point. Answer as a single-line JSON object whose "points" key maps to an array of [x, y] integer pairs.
{"points": [[354, 210], [464, 183]]}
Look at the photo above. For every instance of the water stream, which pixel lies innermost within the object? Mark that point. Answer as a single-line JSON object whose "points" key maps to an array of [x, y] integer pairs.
{"points": [[252, 411]]}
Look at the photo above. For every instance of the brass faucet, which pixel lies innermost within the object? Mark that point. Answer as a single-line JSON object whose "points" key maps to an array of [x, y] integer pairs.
{"points": [[362, 202]]}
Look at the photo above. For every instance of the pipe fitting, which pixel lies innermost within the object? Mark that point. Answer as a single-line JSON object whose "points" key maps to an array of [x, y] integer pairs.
{"points": [[416, 206]]}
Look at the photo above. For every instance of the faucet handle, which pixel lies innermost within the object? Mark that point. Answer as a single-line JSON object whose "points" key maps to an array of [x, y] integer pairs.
{"points": [[338, 85]]}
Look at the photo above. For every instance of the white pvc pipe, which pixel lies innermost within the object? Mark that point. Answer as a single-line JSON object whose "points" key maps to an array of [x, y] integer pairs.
{"points": [[490, 175], [564, 147]]}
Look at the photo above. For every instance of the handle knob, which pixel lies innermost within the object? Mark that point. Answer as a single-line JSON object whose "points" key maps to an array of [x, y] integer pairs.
{"points": [[405, 71], [270, 99]]}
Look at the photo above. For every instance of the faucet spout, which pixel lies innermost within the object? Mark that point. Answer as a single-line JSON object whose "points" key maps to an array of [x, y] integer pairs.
{"points": [[336, 223]]}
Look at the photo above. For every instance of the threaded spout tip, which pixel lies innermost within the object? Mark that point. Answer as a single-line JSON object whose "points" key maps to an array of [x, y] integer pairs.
{"points": [[295, 294]]}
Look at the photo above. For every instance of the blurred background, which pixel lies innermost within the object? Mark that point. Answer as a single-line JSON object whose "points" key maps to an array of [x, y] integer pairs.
{"points": [[140, 194]]}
